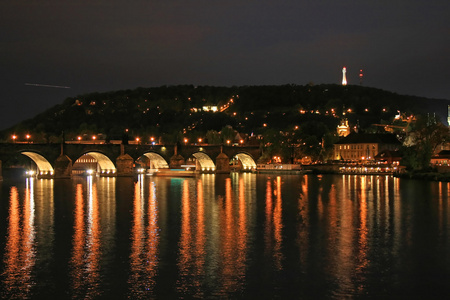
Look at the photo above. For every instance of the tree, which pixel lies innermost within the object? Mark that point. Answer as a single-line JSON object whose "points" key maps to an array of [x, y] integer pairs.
{"points": [[426, 134], [213, 137], [227, 133]]}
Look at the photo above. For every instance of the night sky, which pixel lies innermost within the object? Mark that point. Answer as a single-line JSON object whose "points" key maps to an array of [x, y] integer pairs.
{"points": [[402, 46]]}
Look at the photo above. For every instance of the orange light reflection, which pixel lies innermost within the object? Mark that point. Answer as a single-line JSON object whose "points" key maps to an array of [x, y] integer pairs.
{"points": [[20, 250]]}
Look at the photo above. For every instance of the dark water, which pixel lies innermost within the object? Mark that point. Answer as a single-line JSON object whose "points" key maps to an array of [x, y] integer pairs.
{"points": [[243, 236]]}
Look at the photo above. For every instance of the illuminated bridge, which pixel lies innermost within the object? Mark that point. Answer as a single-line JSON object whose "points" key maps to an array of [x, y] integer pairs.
{"points": [[63, 160]]}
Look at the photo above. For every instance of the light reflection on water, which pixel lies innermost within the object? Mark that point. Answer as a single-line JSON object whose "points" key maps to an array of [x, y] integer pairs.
{"points": [[238, 236], [144, 242]]}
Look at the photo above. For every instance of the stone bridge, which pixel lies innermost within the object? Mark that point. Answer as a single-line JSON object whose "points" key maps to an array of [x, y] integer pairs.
{"points": [[56, 160]]}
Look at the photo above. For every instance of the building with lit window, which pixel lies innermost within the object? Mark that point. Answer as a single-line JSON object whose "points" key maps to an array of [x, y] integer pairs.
{"points": [[441, 159], [210, 108], [84, 163], [364, 146]]}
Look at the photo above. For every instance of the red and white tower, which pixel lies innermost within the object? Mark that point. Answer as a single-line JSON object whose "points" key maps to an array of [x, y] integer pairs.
{"points": [[344, 79]]}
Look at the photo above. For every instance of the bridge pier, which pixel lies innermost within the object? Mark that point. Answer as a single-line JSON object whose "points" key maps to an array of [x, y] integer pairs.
{"points": [[63, 167], [124, 165], [176, 161], [222, 163]]}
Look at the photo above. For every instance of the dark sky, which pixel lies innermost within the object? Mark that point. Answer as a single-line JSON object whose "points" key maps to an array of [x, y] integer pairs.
{"points": [[101, 45]]}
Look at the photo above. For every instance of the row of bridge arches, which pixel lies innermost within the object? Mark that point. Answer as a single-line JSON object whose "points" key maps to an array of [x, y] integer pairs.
{"points": [[100, 163]]}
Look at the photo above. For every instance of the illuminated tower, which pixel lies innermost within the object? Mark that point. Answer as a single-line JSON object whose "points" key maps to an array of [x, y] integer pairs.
{"points": [[361, 76], [344, 79]]}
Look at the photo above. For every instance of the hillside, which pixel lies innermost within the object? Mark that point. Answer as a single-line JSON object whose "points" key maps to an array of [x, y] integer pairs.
{"points": [[173, 111]]}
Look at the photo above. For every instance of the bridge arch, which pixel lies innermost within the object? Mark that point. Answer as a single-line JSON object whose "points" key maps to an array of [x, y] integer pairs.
{"points": [[156, 161], [105, 165], [248, 163], [43, 165], [204, 162]]}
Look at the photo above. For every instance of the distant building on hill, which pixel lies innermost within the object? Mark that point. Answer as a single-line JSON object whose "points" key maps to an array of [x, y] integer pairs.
{"points": [[211, 108], [364, 146], [343, 128]]}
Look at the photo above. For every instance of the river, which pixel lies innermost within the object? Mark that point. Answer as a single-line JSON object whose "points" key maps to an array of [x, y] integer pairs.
{"points": [[238, 236]]}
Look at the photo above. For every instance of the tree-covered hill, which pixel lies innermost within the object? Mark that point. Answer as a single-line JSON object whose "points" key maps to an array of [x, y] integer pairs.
{"points": [[170, 112]]}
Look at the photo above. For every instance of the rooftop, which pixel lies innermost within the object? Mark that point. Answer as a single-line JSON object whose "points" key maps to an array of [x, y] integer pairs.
{"points": [[367, 138]]}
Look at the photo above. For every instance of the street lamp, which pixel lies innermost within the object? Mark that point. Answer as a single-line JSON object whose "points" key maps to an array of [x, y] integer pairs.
{"points": [[79, 139], [185, 141], [94, 138], [28, 137], [14, 137]]}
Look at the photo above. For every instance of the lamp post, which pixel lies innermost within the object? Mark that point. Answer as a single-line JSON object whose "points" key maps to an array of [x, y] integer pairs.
{"points": [[28, 138], [14, 137]]}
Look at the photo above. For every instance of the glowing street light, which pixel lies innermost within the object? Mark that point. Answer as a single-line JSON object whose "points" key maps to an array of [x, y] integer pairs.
{"points": [[14, 137], [185, 141], [200, 140], [79, 139], [28, 137], [94, 138]]}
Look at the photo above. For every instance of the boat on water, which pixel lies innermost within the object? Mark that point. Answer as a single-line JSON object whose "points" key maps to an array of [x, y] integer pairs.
{"points": [[184, 171], [281, 169], [175, 173]]}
